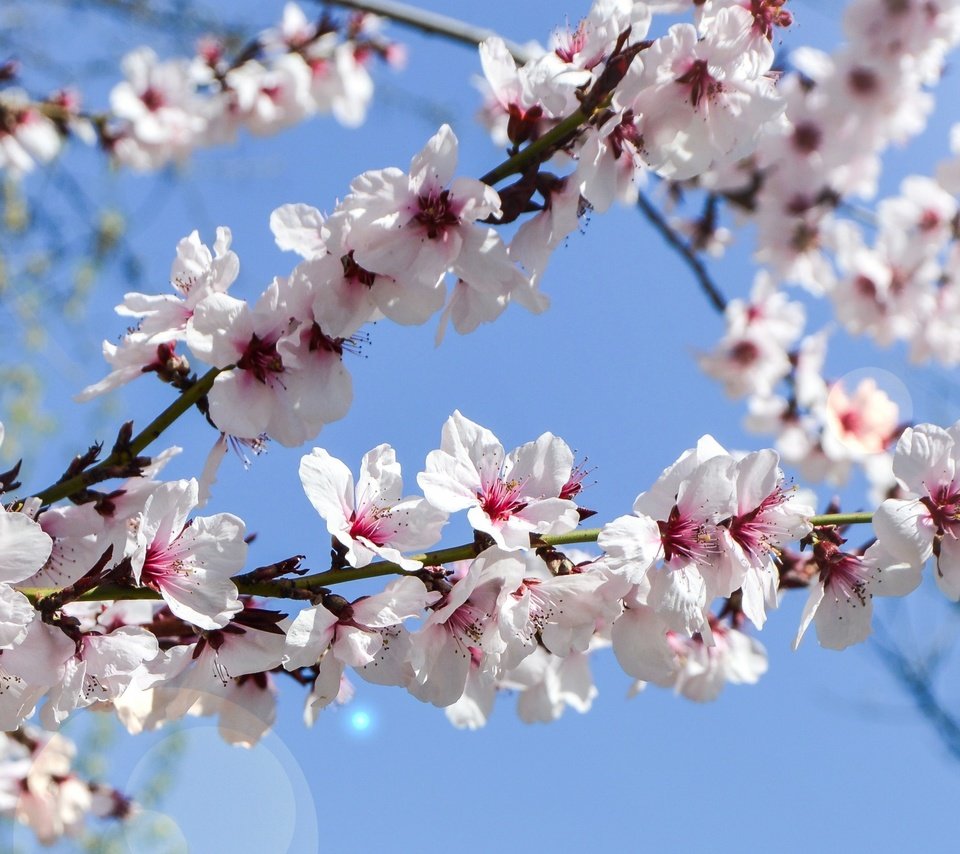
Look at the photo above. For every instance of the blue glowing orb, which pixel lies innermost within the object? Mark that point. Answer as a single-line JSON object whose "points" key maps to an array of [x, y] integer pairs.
{"points": [[360, 721]]}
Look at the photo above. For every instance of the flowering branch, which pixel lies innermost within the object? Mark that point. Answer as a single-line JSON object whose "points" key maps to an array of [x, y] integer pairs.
{"points": [[297, 588], [126, 452]]}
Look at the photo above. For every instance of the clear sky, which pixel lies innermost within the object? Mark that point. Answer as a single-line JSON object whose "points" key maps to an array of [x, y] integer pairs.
{"points": [[823, 754]]}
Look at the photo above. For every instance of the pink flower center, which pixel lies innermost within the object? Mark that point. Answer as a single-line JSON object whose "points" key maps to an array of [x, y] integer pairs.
{"points": [[261, 359], [501, 499], [159, 564], [467, 622], [437, 213], [153, 99], [701, 82], [847, 576], [625, 134], [751, 530], [686, 538], [370, 524]]}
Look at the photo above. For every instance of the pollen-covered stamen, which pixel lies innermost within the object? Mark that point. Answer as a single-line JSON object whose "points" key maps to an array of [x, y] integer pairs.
{"points": [[542, 606], [687, 538], [574, 485], [437, 213], [753, 531], [372, 524], [256, 446], [501, 499], [261, 359], [701, 82], [467, 624], [161, 563], [846, 576]]}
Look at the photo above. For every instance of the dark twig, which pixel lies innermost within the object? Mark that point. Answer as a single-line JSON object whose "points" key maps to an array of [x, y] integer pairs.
{"points": [[707, 285], [432, 23]]}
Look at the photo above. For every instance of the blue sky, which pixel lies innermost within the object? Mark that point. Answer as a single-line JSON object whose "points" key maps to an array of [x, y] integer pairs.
{"points": [[823, 754]]}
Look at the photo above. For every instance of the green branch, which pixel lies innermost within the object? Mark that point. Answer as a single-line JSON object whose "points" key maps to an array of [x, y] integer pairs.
{"points": [[842, 519], [538, 150], [296, 588]]}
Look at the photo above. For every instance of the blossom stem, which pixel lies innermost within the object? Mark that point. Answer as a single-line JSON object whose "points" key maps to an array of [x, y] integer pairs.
{"points": [[105, 469], [842, 519], [432, 23], [538, 150]]}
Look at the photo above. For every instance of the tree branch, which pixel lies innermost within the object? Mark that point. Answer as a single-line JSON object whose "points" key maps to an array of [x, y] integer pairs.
{"points": [[432, 23], [707, 285]]}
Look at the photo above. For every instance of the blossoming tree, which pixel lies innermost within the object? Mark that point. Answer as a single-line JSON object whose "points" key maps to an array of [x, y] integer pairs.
{"points": [[121, 591]]}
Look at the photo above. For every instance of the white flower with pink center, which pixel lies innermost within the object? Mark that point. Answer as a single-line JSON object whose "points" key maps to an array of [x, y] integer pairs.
{"points": [[506, 496], [415, 227], [372, 519], [548, 684], [189, 562], [536, 608], [461, 634], [196, 273], [702, 669], [861, 424], [840, 604], [767, 517], [912, 530], [704, 101], [678, 520], [284, 378], [338, 633], [100, 670], [160, 102]]}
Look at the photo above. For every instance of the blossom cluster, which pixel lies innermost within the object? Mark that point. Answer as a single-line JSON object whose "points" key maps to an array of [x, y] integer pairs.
{"points": [[514, 612], [39, 788], [165, 109], [842, 111]]}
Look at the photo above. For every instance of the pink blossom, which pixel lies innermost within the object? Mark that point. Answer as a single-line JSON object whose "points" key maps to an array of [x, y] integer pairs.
{"points": [[506, 496], [373, 519], [189, 562]]}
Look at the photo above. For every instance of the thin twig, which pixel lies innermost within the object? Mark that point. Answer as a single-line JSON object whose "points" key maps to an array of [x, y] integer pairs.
{"points": [[914, 677], [433, 24], [717, 299]]}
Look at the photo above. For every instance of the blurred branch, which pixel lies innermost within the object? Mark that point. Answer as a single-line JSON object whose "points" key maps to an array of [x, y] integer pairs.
{"points": [[685, 250], [916, 675], [433, 23]]}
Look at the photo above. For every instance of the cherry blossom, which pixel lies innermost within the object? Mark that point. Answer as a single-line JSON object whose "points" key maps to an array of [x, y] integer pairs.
{"points": [[189, 562], [914, 529], [372, 519], [506, 496]]}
